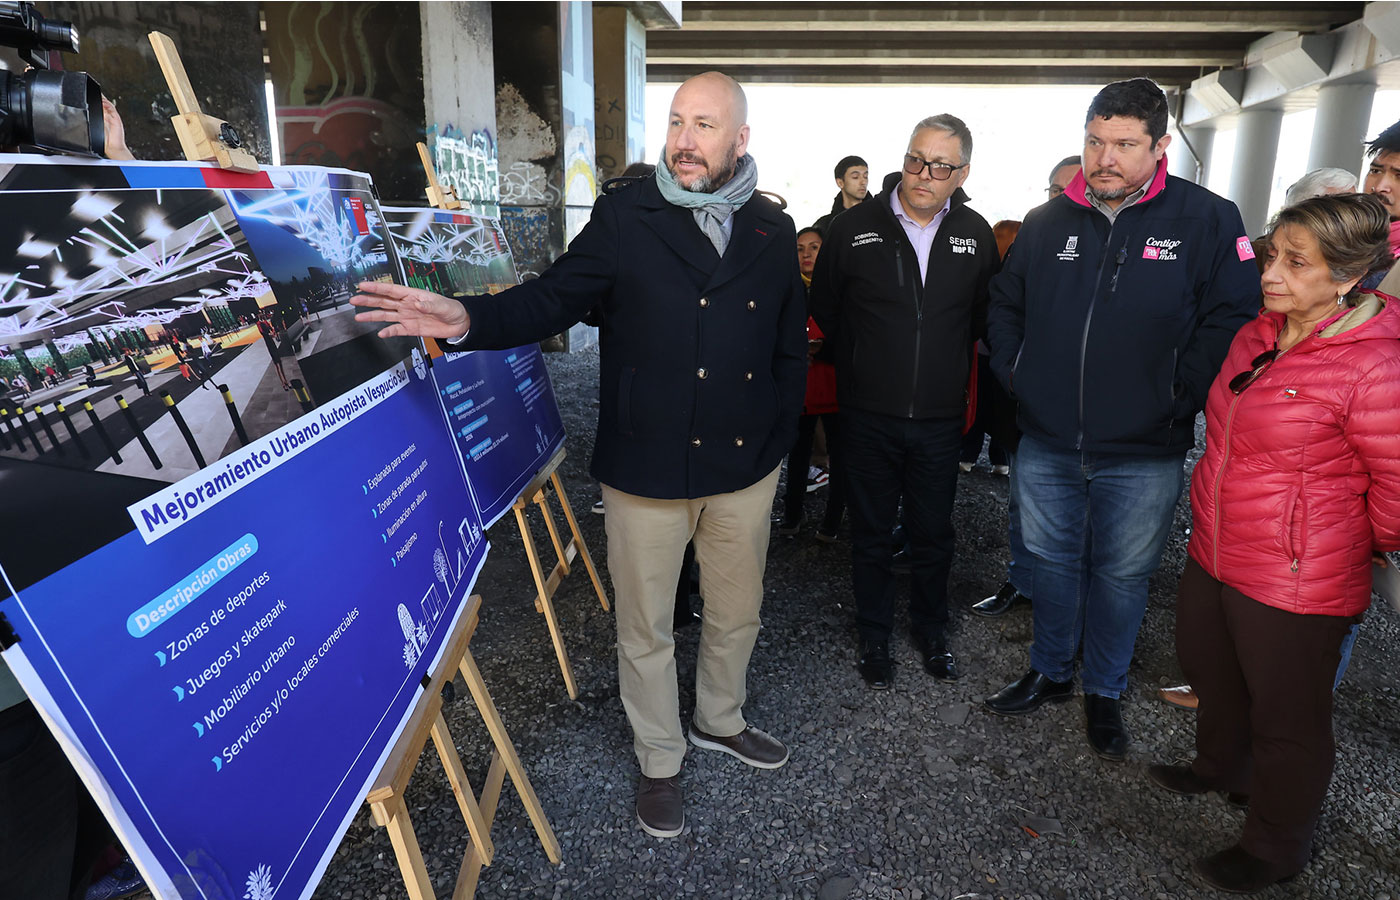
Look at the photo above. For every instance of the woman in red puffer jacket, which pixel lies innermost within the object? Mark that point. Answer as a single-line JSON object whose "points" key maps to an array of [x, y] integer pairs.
{"points": [[1298, 488]]}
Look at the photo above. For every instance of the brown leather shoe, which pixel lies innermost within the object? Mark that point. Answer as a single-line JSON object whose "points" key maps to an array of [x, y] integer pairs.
{"points": [[754, 747], [1182, 696], [659, 806]]}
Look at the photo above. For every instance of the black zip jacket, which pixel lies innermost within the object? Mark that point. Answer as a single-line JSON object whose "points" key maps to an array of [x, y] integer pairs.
{"points": [[902, 346], [1110, 336]]}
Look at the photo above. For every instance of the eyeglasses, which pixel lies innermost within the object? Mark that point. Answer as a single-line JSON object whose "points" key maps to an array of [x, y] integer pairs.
{"points": [[1256, 368], [1054, 191], [936, 170]]}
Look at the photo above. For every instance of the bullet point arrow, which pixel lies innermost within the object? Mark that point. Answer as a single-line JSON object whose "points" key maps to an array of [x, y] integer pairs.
{"points": [[199, 727], [179, 692], [385, 537], [218, 764], [394, 561], [366, 489], [374, 512], [161, 657]]}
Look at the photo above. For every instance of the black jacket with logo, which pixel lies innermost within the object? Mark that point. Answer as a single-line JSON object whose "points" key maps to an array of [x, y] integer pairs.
{"points": [[902, 345], [1109, 336], [702, 358]]}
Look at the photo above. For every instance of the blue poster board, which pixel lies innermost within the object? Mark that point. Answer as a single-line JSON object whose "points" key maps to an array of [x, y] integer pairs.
{"points": [[232, 620], [500, 403]]}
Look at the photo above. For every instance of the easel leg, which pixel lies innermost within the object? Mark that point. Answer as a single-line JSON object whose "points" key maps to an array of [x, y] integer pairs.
{"points": [[406, 850], [544, 604], [578, 539], [490, 800], [461, 787], [487, 707], [543, 503]]}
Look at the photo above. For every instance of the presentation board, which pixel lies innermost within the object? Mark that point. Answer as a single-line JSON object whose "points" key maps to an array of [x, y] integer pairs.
{"points": [[243, 529], [500, 403]]}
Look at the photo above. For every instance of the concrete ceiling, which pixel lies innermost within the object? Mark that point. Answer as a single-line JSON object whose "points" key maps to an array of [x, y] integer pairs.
{"points": [[973, 43]]}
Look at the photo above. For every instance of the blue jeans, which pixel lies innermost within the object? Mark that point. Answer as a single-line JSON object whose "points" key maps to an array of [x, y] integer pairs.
{"points": [[1021, 570], [1347, 643], [1095, 524]]}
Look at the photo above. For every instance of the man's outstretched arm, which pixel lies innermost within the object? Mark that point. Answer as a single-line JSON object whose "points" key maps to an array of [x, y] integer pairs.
{"points": [[414, 312]]}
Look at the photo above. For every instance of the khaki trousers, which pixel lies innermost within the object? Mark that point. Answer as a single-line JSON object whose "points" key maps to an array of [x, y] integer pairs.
{"points": [[646, 543]]}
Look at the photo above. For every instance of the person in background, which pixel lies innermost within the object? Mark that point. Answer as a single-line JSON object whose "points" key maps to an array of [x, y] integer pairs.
{"points": [[1064, 172], [819, 406], [991, 398], [1320, 183], [853, 188], [1299, 487]]}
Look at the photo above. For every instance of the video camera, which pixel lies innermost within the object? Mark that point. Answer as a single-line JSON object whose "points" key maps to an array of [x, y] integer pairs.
{"points": [[59, 111]]}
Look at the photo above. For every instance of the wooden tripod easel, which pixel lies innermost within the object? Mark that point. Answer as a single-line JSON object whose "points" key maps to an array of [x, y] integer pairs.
{"points": [[202, 138], [546, 585], [386, 796]]}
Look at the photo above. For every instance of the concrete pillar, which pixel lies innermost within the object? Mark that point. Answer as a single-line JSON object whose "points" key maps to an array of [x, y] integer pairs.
{"points": [[544, 120], [458, 105], [1181, 162], [1343, 115], [619, 89], [1252, 172]]}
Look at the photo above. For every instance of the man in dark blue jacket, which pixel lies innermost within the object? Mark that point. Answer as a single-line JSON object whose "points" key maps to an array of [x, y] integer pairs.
{"points": [[703, 367], [1108, 322], [900, 290]]}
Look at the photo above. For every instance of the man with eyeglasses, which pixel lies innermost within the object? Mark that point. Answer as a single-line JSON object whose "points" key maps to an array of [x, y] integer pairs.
{"points": [[1062, 175], [1108, 323], [900, 290]]}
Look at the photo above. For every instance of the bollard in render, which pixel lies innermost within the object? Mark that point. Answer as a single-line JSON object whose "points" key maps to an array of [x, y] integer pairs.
{"points": [[233, 414], [140, 435], [303, 394], [4, 433], [72, 432], [102, 432], [179, 418], [48, 430], [29, 430]]}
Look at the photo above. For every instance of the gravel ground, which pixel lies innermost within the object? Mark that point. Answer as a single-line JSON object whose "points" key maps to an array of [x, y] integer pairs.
{"points": [[911, 793]]}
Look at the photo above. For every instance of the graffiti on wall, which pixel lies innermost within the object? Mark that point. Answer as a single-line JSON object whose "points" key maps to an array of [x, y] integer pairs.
{"points": [[467, 164], [530, 233], [348, 88]]}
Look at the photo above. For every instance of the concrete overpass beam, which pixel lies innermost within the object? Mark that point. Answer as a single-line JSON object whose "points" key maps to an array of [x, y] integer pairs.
{"points": [[1252, 172], [1343, 114]]}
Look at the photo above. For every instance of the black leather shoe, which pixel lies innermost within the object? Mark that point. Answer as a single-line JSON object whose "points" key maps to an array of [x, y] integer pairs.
{"points": [[938, 662], [1104, 726], [1237, 871], [1033, 690], [875, 665], [999, 603], [1182, 780]]}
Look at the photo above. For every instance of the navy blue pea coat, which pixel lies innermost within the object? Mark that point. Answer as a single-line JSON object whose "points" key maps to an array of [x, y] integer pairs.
{"points": [[703, 359]]}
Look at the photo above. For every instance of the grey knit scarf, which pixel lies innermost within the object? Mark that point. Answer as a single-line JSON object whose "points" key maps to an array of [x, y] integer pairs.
{"points": [[711, 210]]}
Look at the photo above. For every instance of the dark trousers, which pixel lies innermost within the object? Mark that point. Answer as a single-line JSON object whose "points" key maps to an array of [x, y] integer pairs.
{"points": [[801, 457], [886, 458], [1264, 726], [984, 424], [51, 832]]}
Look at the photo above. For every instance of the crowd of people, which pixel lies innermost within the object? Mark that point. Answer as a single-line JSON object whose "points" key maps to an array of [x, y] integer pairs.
{"points": [[1116, 312]]}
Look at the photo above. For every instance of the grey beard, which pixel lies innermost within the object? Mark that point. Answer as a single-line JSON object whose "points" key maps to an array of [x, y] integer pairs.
{"points": [[707, 184], [1115, 194]]}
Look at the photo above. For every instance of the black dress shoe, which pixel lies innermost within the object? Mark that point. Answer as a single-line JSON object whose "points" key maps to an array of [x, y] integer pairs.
{"points": [[1182, 780], [875, 665], [938, 662], [1104, 726], [999, 603], [1029, 693], [1237, 871]]}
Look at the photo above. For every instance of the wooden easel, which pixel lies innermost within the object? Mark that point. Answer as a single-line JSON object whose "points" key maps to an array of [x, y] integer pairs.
{"points": [[534, 492], [546, 585], [202, 138], [386, 796]]}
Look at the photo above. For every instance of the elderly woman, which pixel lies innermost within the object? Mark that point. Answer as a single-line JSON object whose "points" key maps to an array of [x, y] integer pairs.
{"points": [[1299, 486]]}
